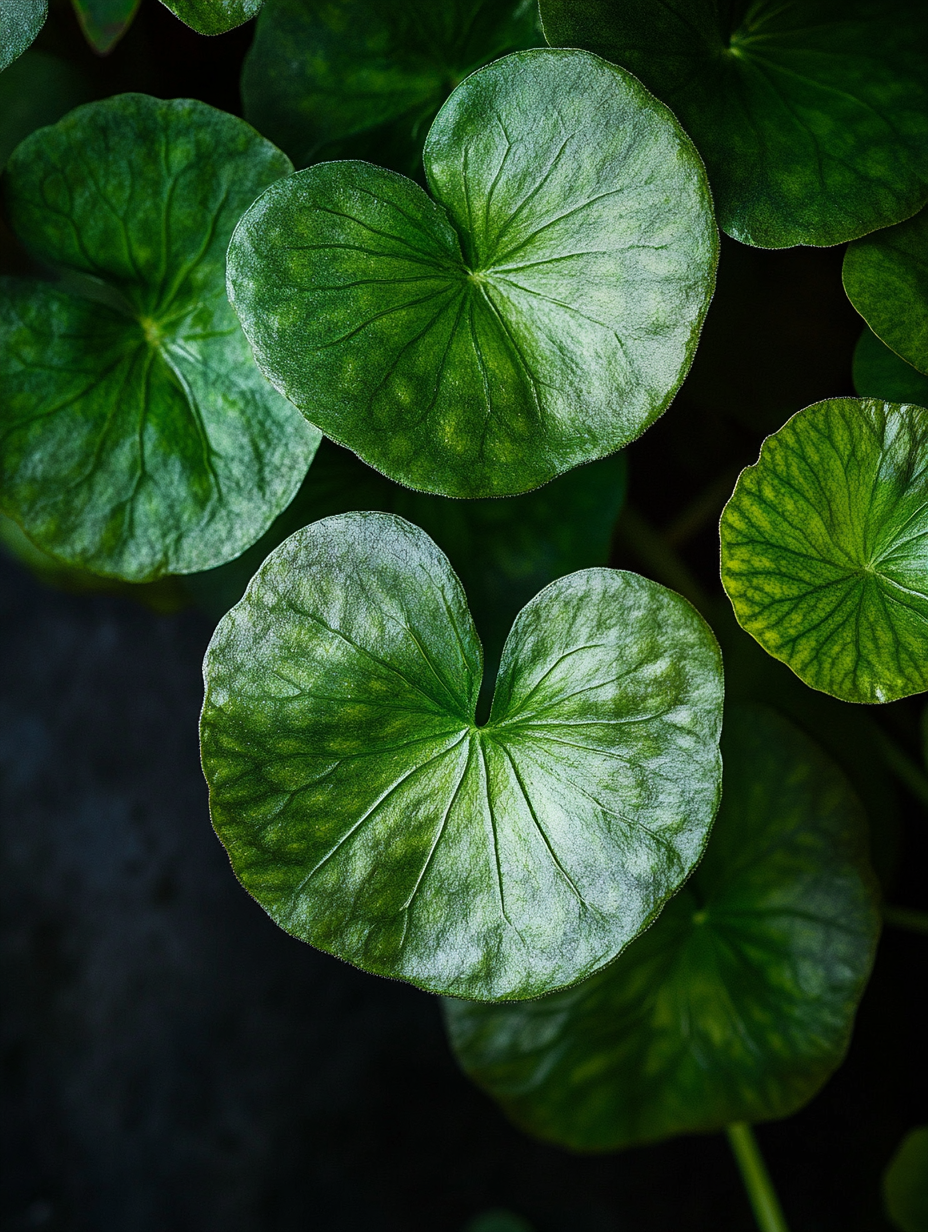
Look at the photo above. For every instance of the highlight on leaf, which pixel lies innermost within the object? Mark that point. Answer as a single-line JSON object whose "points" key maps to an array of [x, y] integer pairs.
{"points": [[213, 16], [20, 22]]}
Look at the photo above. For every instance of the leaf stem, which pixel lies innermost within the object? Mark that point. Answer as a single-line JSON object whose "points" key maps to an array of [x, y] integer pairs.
{"points": [[650, 546], [757, 1182], [904, 768], [906, 917]]}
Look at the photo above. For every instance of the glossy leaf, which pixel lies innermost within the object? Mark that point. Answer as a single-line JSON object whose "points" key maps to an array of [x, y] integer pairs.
{"points": [[538, 312], [880, 373], [364, 78], [138, 437], [37, 90], [20, 22], [104, 22], [812, 118], [825, 548], [370, 816], [905, 1183], [886, 279], [738, 1003], [213, 16]]}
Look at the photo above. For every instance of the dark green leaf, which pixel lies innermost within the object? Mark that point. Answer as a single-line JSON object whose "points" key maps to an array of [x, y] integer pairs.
{"points": [[138, 437], [213, 16], [20, 22], [812, 117], [37, 90], [364, 78], [880, 373], [104, 22], [370, 816], [905, 1183], [886, 279], [825, 548], [539, 312], [738, 1003]]}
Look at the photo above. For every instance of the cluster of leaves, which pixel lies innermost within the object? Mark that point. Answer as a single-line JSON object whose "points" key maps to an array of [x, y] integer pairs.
{"points": [[230, 379]]}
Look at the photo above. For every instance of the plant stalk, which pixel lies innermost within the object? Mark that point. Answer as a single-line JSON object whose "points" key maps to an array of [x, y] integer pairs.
{"points": [[904, 768], [661, 560], [906, 917], [757, 1182]]}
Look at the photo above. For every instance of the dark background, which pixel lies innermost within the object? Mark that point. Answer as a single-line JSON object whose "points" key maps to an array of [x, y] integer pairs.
{"points": [[173, 1061]]}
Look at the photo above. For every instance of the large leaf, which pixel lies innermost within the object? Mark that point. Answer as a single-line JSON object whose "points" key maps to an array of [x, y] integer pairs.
{"points": [[364, 78], [38, 89], [104, 22], [538, 312], [371, 816], [812, 117], [213, 16], [20, 22], [880, 373], [825, 548], [905, 1183], [738, 1003], [138, 436], [886, 279]]}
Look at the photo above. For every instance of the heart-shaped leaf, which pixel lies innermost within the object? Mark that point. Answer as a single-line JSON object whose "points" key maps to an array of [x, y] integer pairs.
{"points": [[738, 1003], [539, 312], [880, 373], [213, 16], [138, 436], [364, 78], [104, 22], [371, 816], [20, 22], [812, 117], [825, 548], [886, 279]]}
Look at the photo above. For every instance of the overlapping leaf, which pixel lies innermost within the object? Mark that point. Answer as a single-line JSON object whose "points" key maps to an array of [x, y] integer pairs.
{"points": [[812, 117], [20, 22], [825, 548], [138, 437], [371, 816], [737, 1003], [213, 16], [539, 311], [880, 373]]}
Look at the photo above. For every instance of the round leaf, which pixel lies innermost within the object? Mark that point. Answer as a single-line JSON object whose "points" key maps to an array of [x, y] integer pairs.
{"points": [[539, 312], [812, 117], [213, 16], [886, 279], [20, 22], [880, 373], [825, 548], [370, 816], [905, 1183], [138, 436], [738, 1003], [369, 75]]}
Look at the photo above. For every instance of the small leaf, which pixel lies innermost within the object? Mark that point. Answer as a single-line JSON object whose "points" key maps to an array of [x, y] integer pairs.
{"points": [[36, 91], [825, 548], [104, 22], [138, 437], [213, 16], [880, 373], [905, 1183], [738, 1003], [370, 816], [20, 22], [886, 279], [812, 117], [370, 75], [539, 312]]}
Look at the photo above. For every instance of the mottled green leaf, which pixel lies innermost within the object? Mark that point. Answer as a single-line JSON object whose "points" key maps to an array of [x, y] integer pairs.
{"points": [[905, 1183], [886, 279], [138, 437], [37, 90], [213, 16], [364, 78], [825, 548], [738, 1003], [880, 373], [20, 22], [539, 311], [370, 815], [104, 22], [812, 117]]}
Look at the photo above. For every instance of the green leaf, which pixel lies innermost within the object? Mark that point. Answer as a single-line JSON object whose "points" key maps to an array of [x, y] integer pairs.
{"points": [[371, 816], [540, 311], [213, 16], [825, 548], [20, 22], [812, 117], [905, 1183], [104, 22], [880, 373], [138, 437], [37, 90], [886, 279], [738, 1003], [499, 1221], [364, 78]]}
